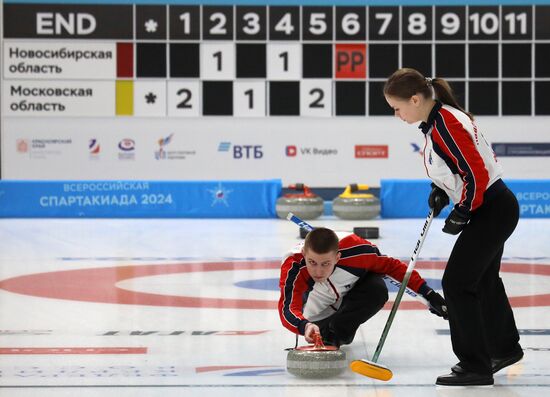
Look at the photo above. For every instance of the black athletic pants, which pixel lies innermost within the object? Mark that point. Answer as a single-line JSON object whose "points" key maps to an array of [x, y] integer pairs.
{"points": [[480, 317], [364, 300]]}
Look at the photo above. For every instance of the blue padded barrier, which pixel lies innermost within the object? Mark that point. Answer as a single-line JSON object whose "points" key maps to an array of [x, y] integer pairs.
{"points": [[408, 198], [139, 199]]}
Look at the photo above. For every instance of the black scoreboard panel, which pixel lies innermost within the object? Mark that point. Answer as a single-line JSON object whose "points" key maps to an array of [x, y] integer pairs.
{"points": [[324, 60]]}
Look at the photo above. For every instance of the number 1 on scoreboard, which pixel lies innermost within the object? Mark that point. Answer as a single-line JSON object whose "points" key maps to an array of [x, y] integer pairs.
{"points": [[185, 22]]}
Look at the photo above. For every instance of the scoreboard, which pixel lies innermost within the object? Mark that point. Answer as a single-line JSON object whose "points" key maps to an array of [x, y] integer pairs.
{"points": [[263, 61], [296, 86]]}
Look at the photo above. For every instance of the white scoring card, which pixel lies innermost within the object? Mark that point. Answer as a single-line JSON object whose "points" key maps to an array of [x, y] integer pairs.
{"points": [[184, 98], [249, 98], [150, 98], [316, 97], [284, 61], [218, 61]]}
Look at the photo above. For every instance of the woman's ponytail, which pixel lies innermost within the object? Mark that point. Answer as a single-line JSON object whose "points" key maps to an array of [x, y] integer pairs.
{"points": [[444, 93]]}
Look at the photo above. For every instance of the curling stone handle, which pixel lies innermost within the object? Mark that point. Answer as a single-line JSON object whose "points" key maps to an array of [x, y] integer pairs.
{"points": [[354, 187], [318, 341], [300, 187]]}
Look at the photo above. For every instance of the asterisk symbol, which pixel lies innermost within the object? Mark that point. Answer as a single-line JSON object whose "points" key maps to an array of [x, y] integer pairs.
{"points": [[150, 98], [151, 26]]}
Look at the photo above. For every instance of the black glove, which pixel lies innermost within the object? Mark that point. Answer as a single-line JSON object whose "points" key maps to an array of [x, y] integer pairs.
{"points": [[437, 304], [455, 222], [438, 199]]}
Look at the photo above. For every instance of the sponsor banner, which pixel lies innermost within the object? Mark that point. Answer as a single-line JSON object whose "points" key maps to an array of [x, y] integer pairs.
{"points": [[127, 149], [136, 199], [293, 151], [94, 148], [241, 151], [371, 151], [44, 60], [533, 197], [528, 149], [166, 152], [63, 98], [43, 148], [402, 198], [322, 153]]}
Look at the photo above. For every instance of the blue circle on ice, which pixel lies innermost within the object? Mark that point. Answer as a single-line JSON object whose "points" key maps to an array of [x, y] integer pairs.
{"points": [[264, 284]]}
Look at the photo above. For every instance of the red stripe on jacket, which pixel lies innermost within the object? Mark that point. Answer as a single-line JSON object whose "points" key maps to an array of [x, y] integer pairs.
{"points": [[462, 139], [291, 312]]}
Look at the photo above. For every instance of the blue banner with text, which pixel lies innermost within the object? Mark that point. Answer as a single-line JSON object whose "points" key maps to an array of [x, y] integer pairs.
{"points": [[406, 198], [139, 199]]}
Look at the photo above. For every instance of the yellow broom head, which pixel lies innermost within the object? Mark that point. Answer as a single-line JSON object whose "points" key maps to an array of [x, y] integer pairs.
{"points": [[371, 369]]}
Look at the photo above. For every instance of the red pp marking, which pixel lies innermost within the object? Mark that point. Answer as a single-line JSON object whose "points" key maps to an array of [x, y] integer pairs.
{"points": [[350, 61]]}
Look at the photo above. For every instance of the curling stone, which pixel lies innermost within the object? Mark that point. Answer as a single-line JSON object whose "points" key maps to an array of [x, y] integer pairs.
{"points": [[316, 361], [354, 205], [305, 204]]}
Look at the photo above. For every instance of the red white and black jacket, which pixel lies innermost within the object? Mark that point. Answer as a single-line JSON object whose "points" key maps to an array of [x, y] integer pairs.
{"points": [[459, 159], [303, 300]]}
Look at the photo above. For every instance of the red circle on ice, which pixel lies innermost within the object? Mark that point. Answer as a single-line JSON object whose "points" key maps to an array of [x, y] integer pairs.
{"points": [[99, 285]]}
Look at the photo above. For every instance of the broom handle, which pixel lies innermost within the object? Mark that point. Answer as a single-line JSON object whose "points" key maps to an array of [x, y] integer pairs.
{"points": [[300, 222], [408, 274]]}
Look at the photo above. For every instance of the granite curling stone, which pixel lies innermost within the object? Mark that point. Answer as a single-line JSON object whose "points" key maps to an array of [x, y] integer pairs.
{"points": [[316, 361], [305, 204], [354, 205]]}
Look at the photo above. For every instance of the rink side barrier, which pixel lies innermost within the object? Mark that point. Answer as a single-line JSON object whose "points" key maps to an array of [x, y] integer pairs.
{"points": [[139, 199], [408, 198]]}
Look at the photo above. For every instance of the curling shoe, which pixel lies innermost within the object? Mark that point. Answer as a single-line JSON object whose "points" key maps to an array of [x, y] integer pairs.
{"points": [[465, 378], [500, 363], [497, 363]]}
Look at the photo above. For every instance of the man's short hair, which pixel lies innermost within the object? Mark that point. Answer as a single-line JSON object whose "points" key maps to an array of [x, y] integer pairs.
{"points": [[321, 241]]}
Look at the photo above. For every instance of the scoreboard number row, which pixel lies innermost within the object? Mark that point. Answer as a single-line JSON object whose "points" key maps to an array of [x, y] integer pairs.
{"points": [[272, 23], [416, 23], [244, 99], [284, 62]]}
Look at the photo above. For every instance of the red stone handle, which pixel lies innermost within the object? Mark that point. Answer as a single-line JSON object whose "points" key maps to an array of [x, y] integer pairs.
{"points": [[318, 341]]}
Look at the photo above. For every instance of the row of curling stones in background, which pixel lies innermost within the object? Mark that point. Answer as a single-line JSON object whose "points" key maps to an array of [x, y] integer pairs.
{"points": [[353, 203], [316, 361]]}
